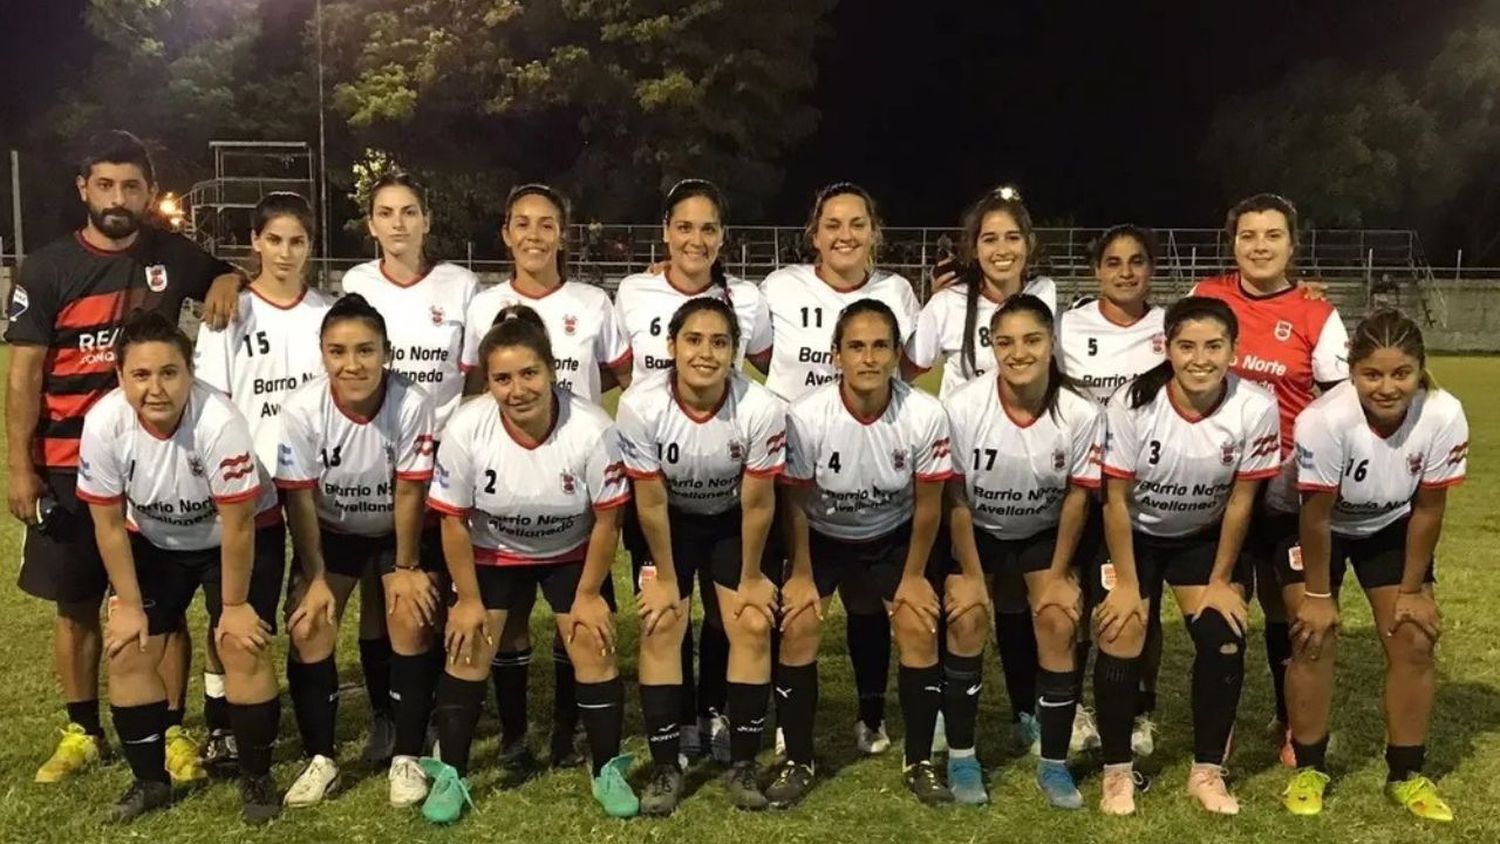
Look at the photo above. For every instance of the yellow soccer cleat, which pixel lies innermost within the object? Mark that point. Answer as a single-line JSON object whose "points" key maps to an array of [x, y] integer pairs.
{"points": [[184, 764], [1419, 796], [76, 751], [1304, 794]]}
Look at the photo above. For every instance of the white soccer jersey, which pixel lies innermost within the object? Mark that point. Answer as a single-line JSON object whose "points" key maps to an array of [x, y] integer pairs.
{"points": [[701, 458], [863, 470], [1102, 355], [352, 462], [581, 322], [425, 321], [804, 309], [1184, 469], [647, 301], [1016, 475], [260, 359], [1376, 477], [171, 487], [939, 335], [527, 504]]}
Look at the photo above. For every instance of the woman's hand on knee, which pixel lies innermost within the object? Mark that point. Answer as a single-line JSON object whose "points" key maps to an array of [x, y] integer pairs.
{"points": [[659, 605]]}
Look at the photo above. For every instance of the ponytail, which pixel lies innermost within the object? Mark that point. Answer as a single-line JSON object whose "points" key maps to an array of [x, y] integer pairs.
{"points": [[1147, 386], [974, 280]]}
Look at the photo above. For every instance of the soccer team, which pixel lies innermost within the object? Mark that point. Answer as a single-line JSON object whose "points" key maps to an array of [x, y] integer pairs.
{"points": [[443, 450]]}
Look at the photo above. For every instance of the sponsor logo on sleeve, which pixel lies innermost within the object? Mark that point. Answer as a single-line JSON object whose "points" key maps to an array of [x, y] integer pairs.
{"points": [[85, 471], [1304, 457], [440, 474], [19, 302], [283, 454]]}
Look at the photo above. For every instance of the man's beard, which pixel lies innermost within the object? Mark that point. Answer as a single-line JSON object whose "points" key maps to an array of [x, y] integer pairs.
{"points": [[115, 223]]}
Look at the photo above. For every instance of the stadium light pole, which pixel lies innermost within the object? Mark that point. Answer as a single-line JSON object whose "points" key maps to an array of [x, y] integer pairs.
{"points": [[322, 145]]}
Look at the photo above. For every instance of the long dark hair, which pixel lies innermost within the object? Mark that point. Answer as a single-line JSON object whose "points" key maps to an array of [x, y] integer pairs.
{"points": [[1008, 200], [1148, 384], [1389, 328], [517, 325], [403, 179], [1025, 303], [688, 189], [559, 202]]}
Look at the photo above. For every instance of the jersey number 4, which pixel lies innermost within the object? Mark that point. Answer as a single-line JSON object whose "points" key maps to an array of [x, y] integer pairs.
{"points": [[833, 462], [260, 346]]}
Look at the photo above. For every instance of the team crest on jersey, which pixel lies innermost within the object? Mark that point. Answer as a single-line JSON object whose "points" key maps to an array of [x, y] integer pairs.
{"points": [[736, 451], [437, 314], [156, 278], [1283, 330], [898, 458], [1059, 460], [570, 325], [1158, 343], [1226, 453], [568, 484], [1414, 463], [195, 465]]}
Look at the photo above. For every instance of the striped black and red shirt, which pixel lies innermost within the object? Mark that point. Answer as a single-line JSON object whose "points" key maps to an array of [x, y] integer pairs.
{"points": [[71, 297]]}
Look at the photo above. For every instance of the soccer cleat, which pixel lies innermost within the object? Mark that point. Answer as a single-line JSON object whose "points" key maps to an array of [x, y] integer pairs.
{"points": [[565, 753], [716, 726], [408, 785], [663, 791], [448, 795], [923, 782], [381, 744], [183, 763], [742, 784], [1206, 787], [871, 742], [790, 785], [259, 802], [1027, 733], [966, 781], [940, 735], [318, 781], [76, 751], [143, 796], [1056, 782], [1304, 794], [221, 755], [1143, 737], [1085, 735], [1419, 796], [1117, 795], [517, 760], [613, 792]]}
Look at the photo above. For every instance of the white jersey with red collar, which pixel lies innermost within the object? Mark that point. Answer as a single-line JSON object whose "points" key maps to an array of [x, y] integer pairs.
{"points": [[258, 361], [172, 486], [647, 301], [701, 459], [804, 309], [863, 471], [1102, 355], [424, 319], [1017, 474], [581, 322], [529, 504], [352, 463], [939, 335], [1182, 468], [1374, 476]]}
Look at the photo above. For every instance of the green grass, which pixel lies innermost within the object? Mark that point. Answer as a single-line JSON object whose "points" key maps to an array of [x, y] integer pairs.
{"points": [[859, 799]]}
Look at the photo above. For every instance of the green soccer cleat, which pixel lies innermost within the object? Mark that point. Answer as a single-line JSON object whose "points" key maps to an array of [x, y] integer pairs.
{"points": [[1304, 794], [448, 794], [613, 791], [1419, 796]]}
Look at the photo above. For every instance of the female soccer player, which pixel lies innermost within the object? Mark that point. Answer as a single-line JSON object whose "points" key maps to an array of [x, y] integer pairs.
{"points": [[1376, 457], [423, 301], [1292, 342], [867, 458], [1188, 446], [693, 231], [1028, 449], [843, 232], [258, 360], [704, 445], [355, 458], [168, 468], [530, 485]]}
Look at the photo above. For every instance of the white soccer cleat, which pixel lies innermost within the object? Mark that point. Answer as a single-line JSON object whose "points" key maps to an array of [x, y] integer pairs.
{"points": [[1085, 735], [871, 742], [317, 782], [408, 783], [1143, 737]]}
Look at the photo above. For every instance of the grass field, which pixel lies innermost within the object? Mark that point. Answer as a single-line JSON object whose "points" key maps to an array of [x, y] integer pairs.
{"points": [[862, 799]]}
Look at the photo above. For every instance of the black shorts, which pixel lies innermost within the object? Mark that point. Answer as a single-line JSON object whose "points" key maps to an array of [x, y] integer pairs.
{"points": [[63, 564], [508, 587], [1271, 533], [351, 555], [1378, 560], [1178, 561], [1034, 553], [168, 579], [705, 548], [881, 561]]}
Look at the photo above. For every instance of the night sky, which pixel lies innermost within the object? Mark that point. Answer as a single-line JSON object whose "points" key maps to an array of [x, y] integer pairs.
{"points": [[1095, 110]]}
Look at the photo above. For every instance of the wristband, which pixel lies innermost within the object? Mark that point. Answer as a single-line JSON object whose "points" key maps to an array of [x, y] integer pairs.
{"points": [[400, 567], [1306, 594], [227, 604]]}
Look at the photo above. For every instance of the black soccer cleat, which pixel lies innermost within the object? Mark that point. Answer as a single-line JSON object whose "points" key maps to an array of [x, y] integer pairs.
{"points": [[261, 802], [742, 784], [143, 796], [663, 791], [791, 783], [923, 781]]}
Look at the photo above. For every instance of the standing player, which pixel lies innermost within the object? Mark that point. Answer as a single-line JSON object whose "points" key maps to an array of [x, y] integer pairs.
{"points": [[1376, 458], [1293, 344], [704, 445], [1028, 448], [355, 458], [65, 311], [1188, 446], [843, 232], [423, 303], [257, 361], [867, 459], [530, 485], [168, 468], [693, 231]]}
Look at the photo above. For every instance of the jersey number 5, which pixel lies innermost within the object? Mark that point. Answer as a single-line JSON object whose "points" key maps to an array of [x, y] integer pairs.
{"points": [[1093, 345]]}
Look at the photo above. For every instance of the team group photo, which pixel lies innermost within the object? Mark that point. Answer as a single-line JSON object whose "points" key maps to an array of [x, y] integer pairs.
{"points": [[329, 521]]}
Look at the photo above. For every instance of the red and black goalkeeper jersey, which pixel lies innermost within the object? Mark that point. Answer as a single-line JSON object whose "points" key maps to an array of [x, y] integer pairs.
{"points": [[72, 297]]}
